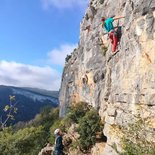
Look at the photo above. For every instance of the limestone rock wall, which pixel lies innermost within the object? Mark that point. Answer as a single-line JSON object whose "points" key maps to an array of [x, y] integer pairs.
{"points": [[120, 86]]}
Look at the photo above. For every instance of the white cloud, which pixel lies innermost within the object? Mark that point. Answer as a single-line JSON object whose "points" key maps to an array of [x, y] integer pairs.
{"points": [[24, 75], [62, 4], [57, 56], [17, 74]]}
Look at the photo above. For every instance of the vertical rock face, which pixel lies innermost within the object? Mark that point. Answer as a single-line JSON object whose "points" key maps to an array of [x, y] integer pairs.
{"points": [[120, 86]]}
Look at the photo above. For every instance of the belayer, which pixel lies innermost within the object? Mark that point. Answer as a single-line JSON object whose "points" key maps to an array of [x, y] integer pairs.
{"points": [[107, 24], [58, 150]]}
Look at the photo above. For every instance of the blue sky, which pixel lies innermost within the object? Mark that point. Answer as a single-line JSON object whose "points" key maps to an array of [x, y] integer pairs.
{"points": [[36, 35]]}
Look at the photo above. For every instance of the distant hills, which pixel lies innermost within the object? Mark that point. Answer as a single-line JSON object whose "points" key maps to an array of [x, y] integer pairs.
{"points": [[30, 101], [54, 94]]}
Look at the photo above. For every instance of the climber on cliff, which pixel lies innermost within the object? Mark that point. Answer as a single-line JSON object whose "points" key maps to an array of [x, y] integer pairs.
{"points": [[58, 150], [108, 26]]}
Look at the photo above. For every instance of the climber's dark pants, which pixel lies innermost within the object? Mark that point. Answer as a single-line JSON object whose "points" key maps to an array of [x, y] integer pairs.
{"points": [[114, 40]]}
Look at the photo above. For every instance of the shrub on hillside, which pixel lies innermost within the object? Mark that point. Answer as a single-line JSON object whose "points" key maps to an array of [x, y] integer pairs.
{"points": [[31, 137], [77, 111], [89, 125], [67, 58], [25, 141]]}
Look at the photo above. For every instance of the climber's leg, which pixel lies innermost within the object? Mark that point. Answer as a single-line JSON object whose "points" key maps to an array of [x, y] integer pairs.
{"points": [[111, 36], [102, 39], [115, 42]]}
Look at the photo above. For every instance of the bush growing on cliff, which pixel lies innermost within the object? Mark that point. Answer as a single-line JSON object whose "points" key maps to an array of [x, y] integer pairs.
{"points": [[67, 58], [135, 140], [89, 125], [77, 111]]}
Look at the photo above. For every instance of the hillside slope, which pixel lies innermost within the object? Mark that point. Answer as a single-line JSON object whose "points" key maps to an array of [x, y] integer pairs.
{"points": [[29, 101], [121, 86]]}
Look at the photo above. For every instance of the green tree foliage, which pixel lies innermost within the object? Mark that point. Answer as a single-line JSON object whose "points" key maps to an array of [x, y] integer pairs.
{"points": [[47, 117], [89, 125], [77, 111], [10, 111], [23, 142], [31, 138]]}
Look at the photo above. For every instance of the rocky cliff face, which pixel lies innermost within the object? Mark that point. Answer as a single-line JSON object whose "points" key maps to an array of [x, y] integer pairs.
{"points": [[120, 86]]}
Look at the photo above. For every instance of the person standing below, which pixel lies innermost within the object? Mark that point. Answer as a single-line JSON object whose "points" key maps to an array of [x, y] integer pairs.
{"points": [[108, 26], [58, 150]]}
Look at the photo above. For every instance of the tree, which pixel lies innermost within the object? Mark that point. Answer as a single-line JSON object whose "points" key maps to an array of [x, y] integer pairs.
{"points": [[89, 125], [10, 110], [23, 142]]}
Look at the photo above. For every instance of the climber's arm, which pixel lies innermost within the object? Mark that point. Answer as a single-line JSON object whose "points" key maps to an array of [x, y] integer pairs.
{"points": [[116, 18]]}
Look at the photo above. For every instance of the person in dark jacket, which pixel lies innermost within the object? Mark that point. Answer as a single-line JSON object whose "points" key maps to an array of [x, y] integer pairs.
{"points": [[58, 143]]}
